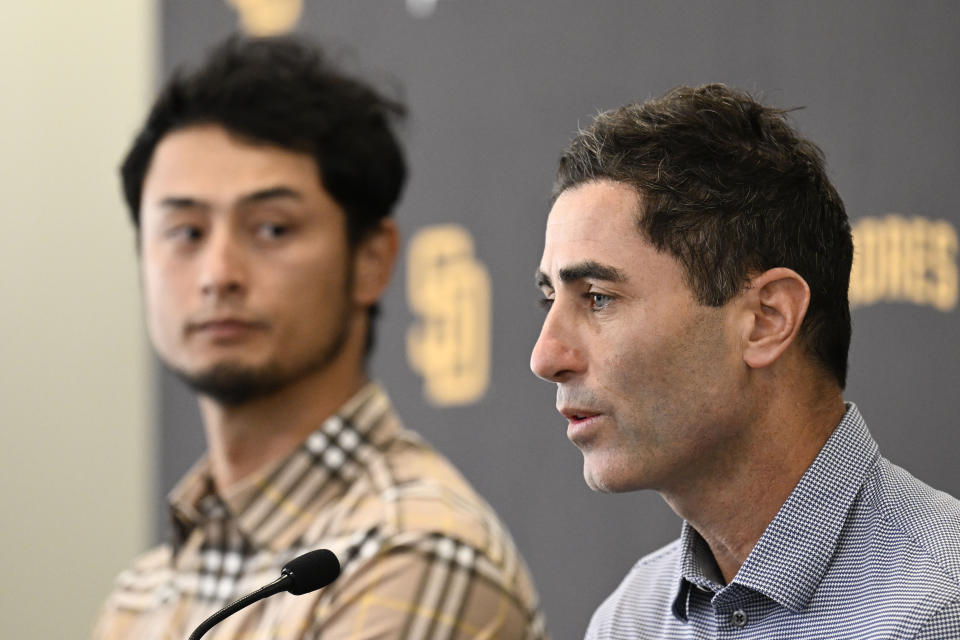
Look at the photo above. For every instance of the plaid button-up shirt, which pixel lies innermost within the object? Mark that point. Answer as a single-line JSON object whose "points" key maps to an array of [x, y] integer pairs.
{"points": [[861, 550], [422, 555]]}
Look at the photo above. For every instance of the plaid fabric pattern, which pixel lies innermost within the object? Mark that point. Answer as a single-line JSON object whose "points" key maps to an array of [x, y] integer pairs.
{"points": [[860, 550], [422, 555]]}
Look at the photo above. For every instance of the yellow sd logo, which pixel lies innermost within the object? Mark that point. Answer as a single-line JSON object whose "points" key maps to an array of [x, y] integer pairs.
{"points": [[449, 289], [267, 17]]}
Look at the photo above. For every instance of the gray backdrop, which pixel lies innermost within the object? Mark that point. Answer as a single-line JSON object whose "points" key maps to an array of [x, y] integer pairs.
{"points": [[497, 87]]}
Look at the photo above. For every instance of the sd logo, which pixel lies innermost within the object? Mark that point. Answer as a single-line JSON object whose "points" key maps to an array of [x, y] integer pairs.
{"points": [[449, 290]]}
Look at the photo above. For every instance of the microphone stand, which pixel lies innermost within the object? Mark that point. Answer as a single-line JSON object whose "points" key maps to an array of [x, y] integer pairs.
{"points": [[305, 573], [278, 585]]}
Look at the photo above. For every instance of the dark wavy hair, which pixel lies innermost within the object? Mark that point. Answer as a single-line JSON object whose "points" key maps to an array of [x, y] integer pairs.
{"points": [[729, 189], [282, 91]]}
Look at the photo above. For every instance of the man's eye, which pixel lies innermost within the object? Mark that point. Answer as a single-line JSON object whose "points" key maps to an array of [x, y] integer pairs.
{"points": [[184, 232], [599, 301], [545, 303], [273, 230]]}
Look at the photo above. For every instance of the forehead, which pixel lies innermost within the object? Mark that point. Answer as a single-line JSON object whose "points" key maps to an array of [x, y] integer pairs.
{"points": [[596, 222], [209, 161], [578, 210]]}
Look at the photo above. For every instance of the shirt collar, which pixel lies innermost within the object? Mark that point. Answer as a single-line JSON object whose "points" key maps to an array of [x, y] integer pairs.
{"points": [[793, 554], [270, 505], [697, 569]]}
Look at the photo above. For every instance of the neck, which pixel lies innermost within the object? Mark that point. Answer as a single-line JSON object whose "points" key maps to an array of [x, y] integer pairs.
{"points": [[733, 507], [244, 438]]}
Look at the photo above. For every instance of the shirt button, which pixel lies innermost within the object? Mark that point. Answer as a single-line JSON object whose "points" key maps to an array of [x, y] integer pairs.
{"points": [[738, 618]]}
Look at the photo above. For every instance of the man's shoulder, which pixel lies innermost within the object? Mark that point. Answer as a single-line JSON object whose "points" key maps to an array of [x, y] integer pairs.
{"points": [[412, 513], [142, 584], [149, 562], [401, 484], [410, 500], [654, 577], [410, 488], [915, 519], [645, 594], [666, 558]]}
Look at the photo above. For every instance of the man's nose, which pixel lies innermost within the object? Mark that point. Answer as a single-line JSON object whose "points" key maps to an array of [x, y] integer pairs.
{"points": [[223, 268], [557, 356]]}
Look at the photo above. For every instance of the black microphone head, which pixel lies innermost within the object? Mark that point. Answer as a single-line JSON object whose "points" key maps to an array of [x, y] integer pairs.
{"points": [[311, 571]]}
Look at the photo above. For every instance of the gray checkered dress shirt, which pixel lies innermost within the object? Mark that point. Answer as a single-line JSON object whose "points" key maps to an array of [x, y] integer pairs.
{"points": [[860, 550]]}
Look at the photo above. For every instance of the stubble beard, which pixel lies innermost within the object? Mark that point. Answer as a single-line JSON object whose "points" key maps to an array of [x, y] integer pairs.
{"points": [[232, 384]]}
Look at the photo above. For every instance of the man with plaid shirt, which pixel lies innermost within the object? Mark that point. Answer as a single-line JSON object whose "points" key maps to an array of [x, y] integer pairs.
{"points": [[695, 276], [261, 187]]}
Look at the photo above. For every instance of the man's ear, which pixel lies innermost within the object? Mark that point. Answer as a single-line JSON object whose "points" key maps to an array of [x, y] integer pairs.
{"points": [[776, 303], [373, 260]]}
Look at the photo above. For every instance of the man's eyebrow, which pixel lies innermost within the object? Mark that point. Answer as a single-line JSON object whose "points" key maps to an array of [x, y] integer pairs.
{"points": [[581, 271], [182, 202], [260, 195], [592, 270], [542, 280], [271, 193]]}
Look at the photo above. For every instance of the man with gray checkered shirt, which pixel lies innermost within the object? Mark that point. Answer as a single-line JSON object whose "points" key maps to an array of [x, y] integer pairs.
{"points": [[261, 187], [695, 275]]}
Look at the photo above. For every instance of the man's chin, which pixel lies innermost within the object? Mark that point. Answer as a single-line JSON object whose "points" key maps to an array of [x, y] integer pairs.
{"points": [[233, 384], [596, 481], [605, 476]]}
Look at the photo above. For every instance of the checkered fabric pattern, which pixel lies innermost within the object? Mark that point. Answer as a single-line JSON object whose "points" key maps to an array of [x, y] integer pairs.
{"points": [[861, 550], [422, 555]]}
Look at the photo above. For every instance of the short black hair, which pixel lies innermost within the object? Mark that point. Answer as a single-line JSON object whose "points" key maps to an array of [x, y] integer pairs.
{"points": [[729, 189], [283, 91]]}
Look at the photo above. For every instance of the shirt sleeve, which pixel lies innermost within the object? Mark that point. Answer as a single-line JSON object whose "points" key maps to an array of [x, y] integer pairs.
{"points": [[433, 586]]}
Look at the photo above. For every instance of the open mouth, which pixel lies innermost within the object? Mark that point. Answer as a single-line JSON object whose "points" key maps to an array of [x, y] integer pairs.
{"points": [[578, 415]]}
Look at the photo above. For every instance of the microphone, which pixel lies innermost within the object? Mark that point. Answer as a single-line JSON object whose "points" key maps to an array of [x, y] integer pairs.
{"points": [[308, 572]]}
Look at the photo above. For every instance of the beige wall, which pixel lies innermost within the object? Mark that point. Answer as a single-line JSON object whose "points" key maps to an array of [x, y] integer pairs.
{"points": [[74, 380]]}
